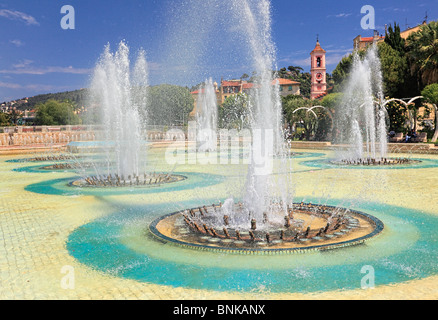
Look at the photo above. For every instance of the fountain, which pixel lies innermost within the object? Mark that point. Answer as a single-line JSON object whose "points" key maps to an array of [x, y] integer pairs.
{"points": [[266, 218], [206, 118], [207, 238], [307, 227], [121, 94], [266, 116], [362, 121]]}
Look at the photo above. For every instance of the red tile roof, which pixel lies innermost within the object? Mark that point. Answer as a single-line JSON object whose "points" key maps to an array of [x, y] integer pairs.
{"points": [[284, 82], [200, 91], [248, 85], [197, 91], [370, 39], [321, 95], [318, 48], [236, 83]]}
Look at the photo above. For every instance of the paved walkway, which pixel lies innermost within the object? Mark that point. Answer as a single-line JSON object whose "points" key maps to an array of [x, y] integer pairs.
{"points": [[34, 228]]}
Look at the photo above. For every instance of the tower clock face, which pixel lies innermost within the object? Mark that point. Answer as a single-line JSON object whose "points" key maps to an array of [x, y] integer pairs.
{"points": [[319, 76]]}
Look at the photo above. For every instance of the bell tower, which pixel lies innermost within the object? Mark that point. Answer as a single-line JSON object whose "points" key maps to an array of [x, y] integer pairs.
{"points": [[318, 72]]}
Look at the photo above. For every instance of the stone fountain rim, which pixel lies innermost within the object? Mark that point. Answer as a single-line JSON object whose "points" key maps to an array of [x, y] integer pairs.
{"points": [[379, 227], [183, 178]]}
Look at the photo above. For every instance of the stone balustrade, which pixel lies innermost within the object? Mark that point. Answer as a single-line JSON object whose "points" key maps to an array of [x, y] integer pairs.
{"points": [[36, 138]]}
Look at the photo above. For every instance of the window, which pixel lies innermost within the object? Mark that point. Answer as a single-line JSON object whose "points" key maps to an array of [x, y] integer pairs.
{"points": [[281, 88], [290, 88], [318, 62]]}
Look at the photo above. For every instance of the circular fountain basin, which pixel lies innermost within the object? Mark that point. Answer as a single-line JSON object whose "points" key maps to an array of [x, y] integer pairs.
{"points": [[116, 182], [413, 163], [271, 239], [48, 158], [369, 162], [68, 166]]}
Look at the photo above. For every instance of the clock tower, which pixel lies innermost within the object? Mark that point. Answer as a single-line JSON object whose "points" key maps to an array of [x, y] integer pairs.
{"points": [[318, 72]]}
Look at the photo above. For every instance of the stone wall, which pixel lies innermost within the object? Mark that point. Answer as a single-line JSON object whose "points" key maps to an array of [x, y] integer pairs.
{"points": [[36, 138]]}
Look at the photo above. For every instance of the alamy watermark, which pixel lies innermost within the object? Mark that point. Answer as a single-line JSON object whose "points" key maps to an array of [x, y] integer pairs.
{"points": [[368, 22], [68, 281], [369, 280], [225, 147], [68, 21]]}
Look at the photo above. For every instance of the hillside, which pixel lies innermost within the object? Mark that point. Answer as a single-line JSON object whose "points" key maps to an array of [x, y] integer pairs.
{"points": [[77, 96]]}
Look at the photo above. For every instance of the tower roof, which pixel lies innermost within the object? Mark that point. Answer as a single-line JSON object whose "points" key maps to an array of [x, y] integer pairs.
{"points": [[318, 48]]}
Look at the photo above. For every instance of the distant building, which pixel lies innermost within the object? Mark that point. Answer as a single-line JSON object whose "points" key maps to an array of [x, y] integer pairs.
{"points": [[318, 72], [230, 88], [288, 87], [234, 87], [195, 95], [360, 43]]}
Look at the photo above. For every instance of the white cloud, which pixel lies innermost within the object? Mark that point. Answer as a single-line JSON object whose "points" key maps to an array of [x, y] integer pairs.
{"points": [[343, 15], [34, 87], [17, 43], [22, 64], [25, 68], [340, 15], [19, 16], [10, 85]]}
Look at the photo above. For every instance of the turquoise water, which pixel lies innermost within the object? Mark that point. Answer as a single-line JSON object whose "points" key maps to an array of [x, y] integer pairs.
{"points": [[407, 250], [62, 186], [119, 244], [327, 164]]}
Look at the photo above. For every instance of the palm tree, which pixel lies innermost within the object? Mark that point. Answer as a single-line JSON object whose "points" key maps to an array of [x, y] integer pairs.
{"points": [[423, 51], [430, 94]]}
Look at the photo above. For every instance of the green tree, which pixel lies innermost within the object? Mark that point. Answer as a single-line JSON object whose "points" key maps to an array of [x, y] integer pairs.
{"points": [[295, 71], [397, 78], [168, 105], [306, 83], [282, 73], [234, 112], [56, 113], [332, 100], [394, 40], [296, 111], [430, 94], [397, 113], [342, 72], [422, 49], [394, 70], [4, 119]]}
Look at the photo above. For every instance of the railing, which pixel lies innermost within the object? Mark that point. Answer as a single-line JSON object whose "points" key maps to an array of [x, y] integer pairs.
{"points": [[28, 129], [23, 136]]}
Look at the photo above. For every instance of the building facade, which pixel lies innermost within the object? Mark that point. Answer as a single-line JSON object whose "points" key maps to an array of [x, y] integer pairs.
{"points": [[361, 43], [231, 88], [318, 72]]}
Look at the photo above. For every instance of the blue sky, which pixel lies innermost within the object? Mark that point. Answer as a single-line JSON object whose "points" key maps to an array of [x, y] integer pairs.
{"points": [[183, 45]]}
